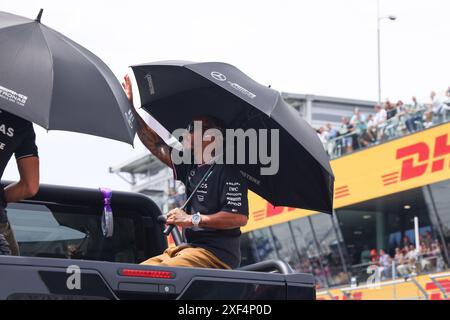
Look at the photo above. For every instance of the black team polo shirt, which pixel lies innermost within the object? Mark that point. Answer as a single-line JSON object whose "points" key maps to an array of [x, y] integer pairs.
{"points": [[225, 189]]}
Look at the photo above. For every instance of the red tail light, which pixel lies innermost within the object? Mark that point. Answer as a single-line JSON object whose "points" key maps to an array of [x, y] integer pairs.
{"points": [[147, 273]]}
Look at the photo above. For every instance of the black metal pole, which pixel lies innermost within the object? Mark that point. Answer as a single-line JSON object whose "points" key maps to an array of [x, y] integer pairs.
{"points": [[439, 226], [295, 242], [319, 251], [341, 254]]}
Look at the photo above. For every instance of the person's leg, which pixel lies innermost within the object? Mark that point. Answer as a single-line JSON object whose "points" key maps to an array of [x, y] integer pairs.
{"points": [[157, 260], [389, 131], [7, 232], [331, 147], [418, 123], [370, 134], [410, 125], [193, 257], [428, 118], [373, 133], [365, 139], [355, 142], [387, 271], [380, 133], [348, 144], [438, 118], [339, 147], [402, 270]]}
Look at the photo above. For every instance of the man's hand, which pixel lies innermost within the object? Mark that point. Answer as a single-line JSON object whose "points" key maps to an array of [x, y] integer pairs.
{"points": [[148, 136], [179, 217], [128, 88]]}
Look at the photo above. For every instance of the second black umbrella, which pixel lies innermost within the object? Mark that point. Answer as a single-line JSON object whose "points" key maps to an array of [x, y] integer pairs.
{"points": [[50, 80]]}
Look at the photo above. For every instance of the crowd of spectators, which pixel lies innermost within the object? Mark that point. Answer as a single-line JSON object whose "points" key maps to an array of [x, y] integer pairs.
{"points": [[389, 120], [407, 260]]}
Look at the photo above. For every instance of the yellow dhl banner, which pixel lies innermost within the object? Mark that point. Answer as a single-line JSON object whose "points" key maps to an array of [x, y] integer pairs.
{"points": [[405, 163], [427, 287]]}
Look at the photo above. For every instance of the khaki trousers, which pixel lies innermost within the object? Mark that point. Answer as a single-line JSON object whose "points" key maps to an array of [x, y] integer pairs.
{"points": [[186, 256]]}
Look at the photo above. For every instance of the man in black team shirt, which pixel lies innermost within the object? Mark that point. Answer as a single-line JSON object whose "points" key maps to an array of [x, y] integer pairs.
{"points": [[217, 210], [16, 137]]}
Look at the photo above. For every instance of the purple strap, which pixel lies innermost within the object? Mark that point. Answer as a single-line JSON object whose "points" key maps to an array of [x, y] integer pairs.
{"points": [[107, 194], [107, 217]]}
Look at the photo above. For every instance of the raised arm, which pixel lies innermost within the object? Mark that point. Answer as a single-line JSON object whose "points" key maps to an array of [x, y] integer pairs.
{"points": [[151, 140]]}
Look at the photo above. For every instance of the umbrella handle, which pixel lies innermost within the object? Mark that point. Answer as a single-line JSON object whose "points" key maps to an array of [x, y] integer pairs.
{"points": [[168, 229], [176, 234], [162, 219]]}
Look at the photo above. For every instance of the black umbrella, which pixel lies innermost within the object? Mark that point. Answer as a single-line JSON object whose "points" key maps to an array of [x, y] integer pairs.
{"points": [[175, 92], [48, 79]]}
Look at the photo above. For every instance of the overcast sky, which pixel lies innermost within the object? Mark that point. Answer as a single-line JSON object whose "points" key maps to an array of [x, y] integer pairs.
{"points": [[323, 47]]}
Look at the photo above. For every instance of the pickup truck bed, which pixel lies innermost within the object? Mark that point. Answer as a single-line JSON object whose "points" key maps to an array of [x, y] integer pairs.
{"points": [[106, 268], [47, 278]]}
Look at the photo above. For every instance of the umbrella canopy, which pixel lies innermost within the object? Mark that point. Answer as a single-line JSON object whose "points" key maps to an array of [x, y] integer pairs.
{"points": [[175, 92], [50, 80]]}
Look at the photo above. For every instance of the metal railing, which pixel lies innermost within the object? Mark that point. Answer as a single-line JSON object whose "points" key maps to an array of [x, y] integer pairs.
{"points": [[347, 292], [423, 264], [369, 276]]}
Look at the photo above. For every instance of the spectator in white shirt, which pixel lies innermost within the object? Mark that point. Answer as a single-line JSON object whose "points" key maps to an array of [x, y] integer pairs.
{"points": [[436, 103], [380, 115], [413, 116], [323, 136], [371, 128], [385, 264], [434, 111], [401, 262], [332, 133], [380, 120], [446, 105]]}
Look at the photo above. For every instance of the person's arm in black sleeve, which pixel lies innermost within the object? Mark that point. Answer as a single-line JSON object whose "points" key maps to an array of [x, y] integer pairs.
{"points": [[28, 164]]}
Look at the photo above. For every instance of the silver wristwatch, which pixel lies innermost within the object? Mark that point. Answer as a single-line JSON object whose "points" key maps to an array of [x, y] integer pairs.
{"points": [[196, 219]]}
